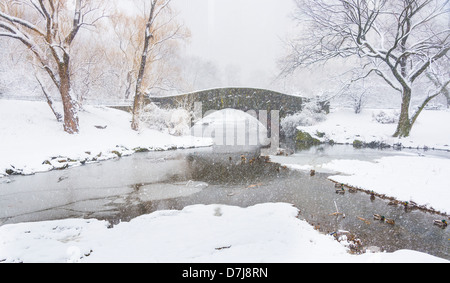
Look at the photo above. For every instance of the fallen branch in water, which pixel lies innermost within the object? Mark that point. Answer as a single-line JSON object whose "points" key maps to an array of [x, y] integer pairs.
{"points": [[365, 221], [337, 213]]}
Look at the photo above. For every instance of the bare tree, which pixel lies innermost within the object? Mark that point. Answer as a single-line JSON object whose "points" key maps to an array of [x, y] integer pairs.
{"points": [[358, 98], [156, 33], [198, 73], [398, 40], [437, 77], [48, 29]]}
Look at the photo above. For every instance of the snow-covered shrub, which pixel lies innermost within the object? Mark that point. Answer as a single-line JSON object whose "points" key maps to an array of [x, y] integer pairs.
{"points": [[173, 121], [179, 122], [358, 101], [386, 117], [309, 116], [154, 117]]}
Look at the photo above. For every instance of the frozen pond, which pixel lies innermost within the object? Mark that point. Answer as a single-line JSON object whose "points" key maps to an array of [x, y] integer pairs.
{"points": [[122, 189]]}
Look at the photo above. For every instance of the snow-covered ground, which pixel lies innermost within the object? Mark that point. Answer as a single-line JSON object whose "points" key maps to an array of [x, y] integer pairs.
{"points": [[423, 180], [431, 129], [407, 177], [214, 233], [33, 141], [198, 234]]}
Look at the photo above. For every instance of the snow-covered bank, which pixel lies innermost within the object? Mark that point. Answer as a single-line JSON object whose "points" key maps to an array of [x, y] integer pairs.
{"points": [[422, 180], [213, 233], [406, 177], [33, 141], [344, 126]]}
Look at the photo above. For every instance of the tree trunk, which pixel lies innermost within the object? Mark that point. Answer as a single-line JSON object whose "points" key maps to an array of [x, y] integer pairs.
{"points": [[71, 123], [447, 95], [129, 84], [137, 106], [139, 95], [49, 100], [404, 123]]}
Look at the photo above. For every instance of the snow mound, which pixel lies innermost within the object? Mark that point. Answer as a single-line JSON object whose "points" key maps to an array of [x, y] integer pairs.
{"points": [[231, 127], [200, 233]]}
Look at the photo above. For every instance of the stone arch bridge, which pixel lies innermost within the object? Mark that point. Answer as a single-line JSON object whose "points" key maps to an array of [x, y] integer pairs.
{"points": [[244, 99]]}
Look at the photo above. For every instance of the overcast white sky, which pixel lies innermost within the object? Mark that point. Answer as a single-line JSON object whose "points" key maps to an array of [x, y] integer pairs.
{"points": [[243, 33]]}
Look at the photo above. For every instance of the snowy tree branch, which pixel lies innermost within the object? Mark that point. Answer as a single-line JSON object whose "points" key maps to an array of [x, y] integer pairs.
{"points": [[401, 38], [21, 22]]}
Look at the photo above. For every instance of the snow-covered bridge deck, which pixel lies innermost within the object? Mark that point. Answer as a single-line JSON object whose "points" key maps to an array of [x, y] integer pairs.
{"points": [[244, 99]]}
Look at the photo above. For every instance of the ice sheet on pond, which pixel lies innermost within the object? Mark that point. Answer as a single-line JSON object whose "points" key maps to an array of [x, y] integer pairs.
{"points": [[168, 191]]}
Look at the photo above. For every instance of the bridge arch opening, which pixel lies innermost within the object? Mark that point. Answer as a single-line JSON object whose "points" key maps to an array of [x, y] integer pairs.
{"points": [[232, 129]]}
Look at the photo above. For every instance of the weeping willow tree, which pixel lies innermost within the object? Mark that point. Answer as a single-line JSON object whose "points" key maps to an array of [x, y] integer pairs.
{"points": [[151, 39]]}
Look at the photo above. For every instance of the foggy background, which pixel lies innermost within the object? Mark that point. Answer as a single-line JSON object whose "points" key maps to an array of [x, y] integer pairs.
{"points": [[232, 43], [243, 38]]}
